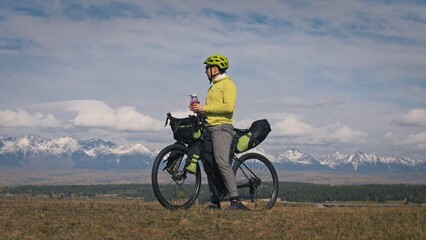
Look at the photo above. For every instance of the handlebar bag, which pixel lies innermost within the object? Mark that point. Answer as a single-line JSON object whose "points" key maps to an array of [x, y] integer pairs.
{"points": [[185, 130]]}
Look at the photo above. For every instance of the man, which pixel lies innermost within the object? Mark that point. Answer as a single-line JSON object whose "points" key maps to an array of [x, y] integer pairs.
{"points": [[219, 109]]}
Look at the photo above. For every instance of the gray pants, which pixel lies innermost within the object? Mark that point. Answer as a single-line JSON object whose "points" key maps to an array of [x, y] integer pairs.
{"points": [[222, 139]]}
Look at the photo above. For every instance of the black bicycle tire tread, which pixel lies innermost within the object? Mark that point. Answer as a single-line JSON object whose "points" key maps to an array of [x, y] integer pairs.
{"points": [[154, 182], [270, 167]]}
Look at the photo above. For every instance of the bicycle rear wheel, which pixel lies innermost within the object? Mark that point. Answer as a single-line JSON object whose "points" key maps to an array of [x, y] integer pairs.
{"points": [[257, 181], [173, 187]]}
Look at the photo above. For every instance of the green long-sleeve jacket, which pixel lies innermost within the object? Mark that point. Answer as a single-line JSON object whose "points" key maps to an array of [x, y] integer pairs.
{"points": [[220, 101]]}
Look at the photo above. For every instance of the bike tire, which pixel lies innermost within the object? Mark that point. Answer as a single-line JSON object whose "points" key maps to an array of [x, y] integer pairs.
{"points": [[257, 181], [180, 189]]}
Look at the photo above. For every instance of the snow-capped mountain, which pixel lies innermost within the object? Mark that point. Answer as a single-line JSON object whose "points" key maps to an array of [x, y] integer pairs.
{"points": [[66, 152], [294, 159], [297, 157], [39, 152], [35, 144], [365, 162], [332, 160]]}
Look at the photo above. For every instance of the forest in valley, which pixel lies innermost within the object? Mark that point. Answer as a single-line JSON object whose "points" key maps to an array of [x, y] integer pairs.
{"points": [[289, 191]]}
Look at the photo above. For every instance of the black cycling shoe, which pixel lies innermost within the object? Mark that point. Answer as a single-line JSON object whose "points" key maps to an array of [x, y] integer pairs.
{"points": [[236, 205], [213, 207]]}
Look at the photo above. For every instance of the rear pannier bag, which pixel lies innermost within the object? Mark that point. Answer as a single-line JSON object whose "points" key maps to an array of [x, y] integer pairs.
{"points": [[253, 136], [185, 130]]}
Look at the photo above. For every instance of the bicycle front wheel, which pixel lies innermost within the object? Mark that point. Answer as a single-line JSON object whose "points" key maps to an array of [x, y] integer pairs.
{"points": [[174, 187], [257, 181]]}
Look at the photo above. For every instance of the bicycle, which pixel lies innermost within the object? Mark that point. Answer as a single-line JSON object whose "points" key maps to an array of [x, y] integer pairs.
{"points": [[175, 188]]}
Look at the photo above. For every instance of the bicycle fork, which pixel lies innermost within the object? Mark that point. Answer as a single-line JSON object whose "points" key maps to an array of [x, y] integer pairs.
{"points": [[177, 175]]}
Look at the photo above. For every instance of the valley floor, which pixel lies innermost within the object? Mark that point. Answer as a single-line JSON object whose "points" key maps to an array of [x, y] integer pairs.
{"points": [[33, 218], [22, 176]]}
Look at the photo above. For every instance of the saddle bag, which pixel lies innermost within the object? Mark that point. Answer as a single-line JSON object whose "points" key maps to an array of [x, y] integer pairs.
{"points": [[250, 138]]}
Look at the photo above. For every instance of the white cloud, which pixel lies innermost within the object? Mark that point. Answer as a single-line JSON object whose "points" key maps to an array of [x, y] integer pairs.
{"points": [[244, 123], [92, 113], [413, 142], [417, 141], [279, 51], [97, 114], [391, 137], [342, 133], [293, 128], [21, 118], [416, 117], [129, 119]]}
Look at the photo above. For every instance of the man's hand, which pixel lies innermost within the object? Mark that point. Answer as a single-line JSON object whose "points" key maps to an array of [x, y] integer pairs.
{"points": [[196, 107]]}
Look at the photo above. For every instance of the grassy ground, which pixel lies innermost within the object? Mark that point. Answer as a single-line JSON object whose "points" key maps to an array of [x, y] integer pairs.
{"points": [[131, 219]]}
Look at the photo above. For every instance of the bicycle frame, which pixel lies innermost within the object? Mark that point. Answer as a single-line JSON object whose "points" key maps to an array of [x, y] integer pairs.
{"points": [[252, 182], [256, 178]]}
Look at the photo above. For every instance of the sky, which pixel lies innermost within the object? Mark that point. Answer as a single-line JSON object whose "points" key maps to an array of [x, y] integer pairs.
{"points": [[329, 76]]}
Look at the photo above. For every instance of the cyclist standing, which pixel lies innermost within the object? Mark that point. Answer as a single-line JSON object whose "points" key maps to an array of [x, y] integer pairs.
{"points": [[219, 108]]}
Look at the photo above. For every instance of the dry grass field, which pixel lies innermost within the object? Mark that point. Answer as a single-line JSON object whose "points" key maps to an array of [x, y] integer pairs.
{"points": [[130, 219]]}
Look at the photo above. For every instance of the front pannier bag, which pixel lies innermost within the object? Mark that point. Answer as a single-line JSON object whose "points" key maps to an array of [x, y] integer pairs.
{"points": [[185, 130], [252, 137]]}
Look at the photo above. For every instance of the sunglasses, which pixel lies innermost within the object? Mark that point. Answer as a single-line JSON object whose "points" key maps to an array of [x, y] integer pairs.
{"points": [[207, 67]]}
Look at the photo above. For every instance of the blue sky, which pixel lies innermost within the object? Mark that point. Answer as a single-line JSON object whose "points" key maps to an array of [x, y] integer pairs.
{"points": [[329, 75]]}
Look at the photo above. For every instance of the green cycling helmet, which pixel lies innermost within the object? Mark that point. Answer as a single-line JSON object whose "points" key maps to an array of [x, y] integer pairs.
{"points": [[217, 60]]}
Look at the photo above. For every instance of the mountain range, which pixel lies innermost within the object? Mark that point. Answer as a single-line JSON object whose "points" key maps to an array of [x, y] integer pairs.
{"points": [[68, 153]]}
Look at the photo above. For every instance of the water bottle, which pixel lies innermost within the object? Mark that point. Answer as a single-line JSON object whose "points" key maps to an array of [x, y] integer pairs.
{"points": [[194, 98]]}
